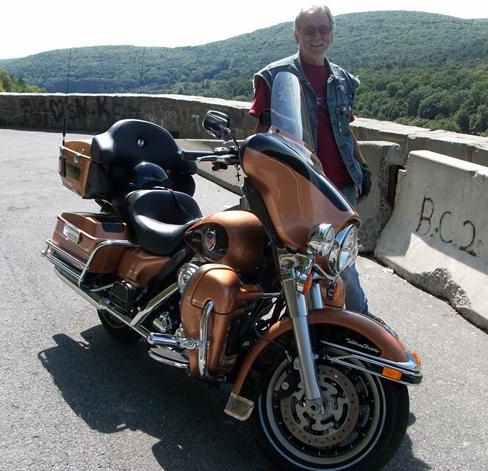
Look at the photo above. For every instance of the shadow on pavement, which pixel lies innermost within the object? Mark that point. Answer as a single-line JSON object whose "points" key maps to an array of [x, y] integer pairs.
{"points": [[114, 387]]}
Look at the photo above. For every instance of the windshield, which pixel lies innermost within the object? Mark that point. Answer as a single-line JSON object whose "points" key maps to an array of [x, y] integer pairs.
{"points": [[289, 116]]}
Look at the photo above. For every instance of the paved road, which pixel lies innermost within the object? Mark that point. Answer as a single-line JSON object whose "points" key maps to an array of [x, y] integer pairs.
{"points": [[71, 399]]}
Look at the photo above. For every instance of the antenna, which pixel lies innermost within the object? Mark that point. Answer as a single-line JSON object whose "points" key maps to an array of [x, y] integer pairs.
{"points": [[142, 68], [66, 97]]}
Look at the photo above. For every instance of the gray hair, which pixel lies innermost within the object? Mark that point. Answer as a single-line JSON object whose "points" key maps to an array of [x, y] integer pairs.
{"points": [[312, 9]]}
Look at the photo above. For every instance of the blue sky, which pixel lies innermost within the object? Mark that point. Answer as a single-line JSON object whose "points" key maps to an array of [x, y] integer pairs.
{"points": [[56, 24]]}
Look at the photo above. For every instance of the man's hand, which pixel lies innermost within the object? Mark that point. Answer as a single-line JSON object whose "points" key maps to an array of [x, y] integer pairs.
{"points": [[366, 185]]}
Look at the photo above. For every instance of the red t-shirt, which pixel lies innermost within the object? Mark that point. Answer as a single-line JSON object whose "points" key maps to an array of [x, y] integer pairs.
{"points": [[327, 150]]}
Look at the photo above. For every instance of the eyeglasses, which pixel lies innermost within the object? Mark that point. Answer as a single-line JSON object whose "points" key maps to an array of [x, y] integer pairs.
{"points": [[311, 30]]}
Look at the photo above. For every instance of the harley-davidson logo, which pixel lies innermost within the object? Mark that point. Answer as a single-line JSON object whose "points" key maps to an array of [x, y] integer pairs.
{"points": [[71, 233], [364, 346]]}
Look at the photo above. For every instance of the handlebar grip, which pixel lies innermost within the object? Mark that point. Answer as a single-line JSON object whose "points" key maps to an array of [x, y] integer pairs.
{"points": [[193, 154]]}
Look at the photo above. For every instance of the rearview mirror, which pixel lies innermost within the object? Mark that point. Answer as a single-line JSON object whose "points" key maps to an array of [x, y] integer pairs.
{"points": [[217, 124]]}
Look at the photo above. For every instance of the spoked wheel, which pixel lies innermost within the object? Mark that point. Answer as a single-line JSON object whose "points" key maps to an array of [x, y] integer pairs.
{"points": [[363, 424], [117, 329]]}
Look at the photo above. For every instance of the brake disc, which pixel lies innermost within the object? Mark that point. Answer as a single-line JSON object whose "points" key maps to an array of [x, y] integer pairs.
{"points": [[339, 418]]}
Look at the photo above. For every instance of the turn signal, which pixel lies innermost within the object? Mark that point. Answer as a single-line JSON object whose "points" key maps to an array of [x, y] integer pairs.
{"points": [[416, 356], [308, 284], [392, 374]]}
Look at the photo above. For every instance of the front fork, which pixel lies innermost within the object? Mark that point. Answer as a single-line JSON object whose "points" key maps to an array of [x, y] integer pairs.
{"points": [[295, 272]]}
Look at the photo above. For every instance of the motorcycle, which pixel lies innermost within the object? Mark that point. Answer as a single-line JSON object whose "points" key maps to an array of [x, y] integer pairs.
{"points": [[250, 296]]}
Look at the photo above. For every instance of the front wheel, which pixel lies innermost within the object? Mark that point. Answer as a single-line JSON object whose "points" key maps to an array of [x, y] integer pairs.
{"points": [[363, 424]]}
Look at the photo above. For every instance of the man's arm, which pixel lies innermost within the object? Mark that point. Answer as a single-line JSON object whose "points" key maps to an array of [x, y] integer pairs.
{"points": [[366, 185], [260, 104], [357, 151]]}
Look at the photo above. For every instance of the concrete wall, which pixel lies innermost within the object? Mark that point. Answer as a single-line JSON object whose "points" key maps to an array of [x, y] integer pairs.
{"points": [[437, 237], [383, 159], [461, 146], [181, 115]]}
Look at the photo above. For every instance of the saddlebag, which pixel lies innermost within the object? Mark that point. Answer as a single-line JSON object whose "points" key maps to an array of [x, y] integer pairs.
{"points": [[80, 173], [89, 242]]}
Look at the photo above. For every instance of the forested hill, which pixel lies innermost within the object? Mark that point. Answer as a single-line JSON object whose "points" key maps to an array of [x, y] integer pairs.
{"points": [[16, 85], [418, 68]]}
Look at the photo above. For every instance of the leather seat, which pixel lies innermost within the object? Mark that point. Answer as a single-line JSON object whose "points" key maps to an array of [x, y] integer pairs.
{"points": [[160, 218]]}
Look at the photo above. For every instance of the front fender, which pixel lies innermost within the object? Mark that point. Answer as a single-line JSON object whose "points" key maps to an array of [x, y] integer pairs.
{"points": [[368, 337]]}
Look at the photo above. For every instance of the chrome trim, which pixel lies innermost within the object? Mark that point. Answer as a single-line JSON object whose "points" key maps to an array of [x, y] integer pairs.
{"points": [[167, 340], [63, 266], [71, 232], [338, 247], [297, 308], [101, 245], [410, 369], [322, 240], [323, 274], [316, 299], [202, 352], [84, 267], [69, 256], [154, 303], [294, 267], [239, 407], [162, 340], [167, 361], [101, 303]]}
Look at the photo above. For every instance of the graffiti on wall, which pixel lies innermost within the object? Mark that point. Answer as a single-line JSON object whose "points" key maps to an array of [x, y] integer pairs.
{"points": [[452, 230], [51, 112]]}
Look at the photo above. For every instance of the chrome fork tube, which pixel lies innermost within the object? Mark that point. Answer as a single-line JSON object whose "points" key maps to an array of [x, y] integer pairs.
{"points": [[316, 301], [297, 308]]}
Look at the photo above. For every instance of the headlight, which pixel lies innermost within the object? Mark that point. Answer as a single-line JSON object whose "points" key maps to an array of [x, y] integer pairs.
{"points": [[322, 240], [344, 250]]}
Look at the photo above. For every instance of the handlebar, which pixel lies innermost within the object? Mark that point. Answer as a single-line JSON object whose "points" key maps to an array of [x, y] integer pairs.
{"points": [[221, 155]]}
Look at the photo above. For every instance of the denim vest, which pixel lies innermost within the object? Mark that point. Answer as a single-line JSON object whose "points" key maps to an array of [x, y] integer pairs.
{"points": [[341, 88]]}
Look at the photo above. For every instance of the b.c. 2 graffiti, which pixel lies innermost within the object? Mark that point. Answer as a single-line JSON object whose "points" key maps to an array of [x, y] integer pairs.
{"points": [[443, 224]]}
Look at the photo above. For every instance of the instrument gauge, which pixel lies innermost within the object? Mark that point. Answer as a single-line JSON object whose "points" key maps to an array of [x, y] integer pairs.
{"points": [[210, 238]]}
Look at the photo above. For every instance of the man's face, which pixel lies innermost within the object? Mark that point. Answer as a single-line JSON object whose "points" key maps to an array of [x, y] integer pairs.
{"points": [[313, 35]]}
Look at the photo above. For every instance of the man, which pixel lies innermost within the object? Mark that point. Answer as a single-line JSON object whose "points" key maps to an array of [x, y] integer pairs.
{"points": [[329, 93]]}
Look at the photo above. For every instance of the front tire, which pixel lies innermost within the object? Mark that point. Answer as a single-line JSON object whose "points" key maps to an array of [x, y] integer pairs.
{"points": [[364, 422]]}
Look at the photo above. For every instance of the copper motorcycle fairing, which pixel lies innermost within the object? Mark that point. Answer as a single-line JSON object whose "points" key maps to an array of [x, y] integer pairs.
{"points": [[93, 231], [391, 347], [219, 284], [245, 235], [77, 161], [296, 207], [139, 267]]}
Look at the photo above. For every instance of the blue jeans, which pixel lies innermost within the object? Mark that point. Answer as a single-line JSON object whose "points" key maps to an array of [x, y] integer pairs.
{"points": [[355, 298]]}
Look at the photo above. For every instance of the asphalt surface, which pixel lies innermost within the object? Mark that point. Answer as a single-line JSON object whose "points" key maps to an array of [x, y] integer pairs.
{"points": [[72, 399]]}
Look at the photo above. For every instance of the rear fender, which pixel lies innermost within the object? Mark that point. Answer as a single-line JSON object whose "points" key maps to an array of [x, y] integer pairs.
{"points": [[346, 337]]}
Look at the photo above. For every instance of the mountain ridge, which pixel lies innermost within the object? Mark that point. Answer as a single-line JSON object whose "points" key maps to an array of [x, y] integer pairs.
{"points": [[417, 68]]}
